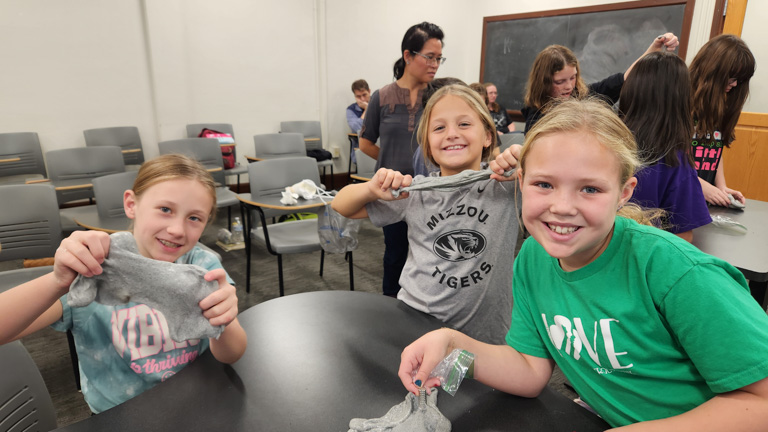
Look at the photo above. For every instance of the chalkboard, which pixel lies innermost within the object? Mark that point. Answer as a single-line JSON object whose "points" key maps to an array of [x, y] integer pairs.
{"points": [[606, 39]]}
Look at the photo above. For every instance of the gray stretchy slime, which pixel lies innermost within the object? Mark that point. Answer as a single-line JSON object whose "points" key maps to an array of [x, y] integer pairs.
{"points": [[448, 182], [173, 289], [414, 414]]}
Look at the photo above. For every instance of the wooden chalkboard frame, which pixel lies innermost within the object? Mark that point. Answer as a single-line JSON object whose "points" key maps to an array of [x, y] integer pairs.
{"points": [[683, 36]]}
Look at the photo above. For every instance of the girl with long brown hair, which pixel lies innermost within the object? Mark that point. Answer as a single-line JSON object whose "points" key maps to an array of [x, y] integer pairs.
{"points": [[720, 75]]}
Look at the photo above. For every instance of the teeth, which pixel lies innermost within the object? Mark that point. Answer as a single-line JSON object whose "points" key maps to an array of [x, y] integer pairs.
{"points": [[455, 147], [169, 244], [562, 230]]}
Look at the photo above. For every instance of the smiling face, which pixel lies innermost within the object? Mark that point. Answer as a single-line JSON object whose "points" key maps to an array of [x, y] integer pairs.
{"points": [[563, 82], [169, 217], [493, 93], [457, 136], [420, 68], [571, 191]]}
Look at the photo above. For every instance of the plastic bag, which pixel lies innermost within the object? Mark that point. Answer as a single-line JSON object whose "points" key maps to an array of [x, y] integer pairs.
{"points": [[337, 233], [729, 224], [452, 370]]}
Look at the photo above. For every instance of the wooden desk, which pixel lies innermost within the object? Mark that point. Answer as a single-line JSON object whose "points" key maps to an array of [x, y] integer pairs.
{"points": [[273, 202], [315, 361], [746, 251], [361, 178], [128, 151], [74, 184], [10, 160]]}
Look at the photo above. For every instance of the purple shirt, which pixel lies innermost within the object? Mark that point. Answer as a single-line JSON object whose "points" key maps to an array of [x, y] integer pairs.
{"points": [[676, 190]]}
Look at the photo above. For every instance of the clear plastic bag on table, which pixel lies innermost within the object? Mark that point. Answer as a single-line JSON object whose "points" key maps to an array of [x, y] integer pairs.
{"points": [[721, 221]]}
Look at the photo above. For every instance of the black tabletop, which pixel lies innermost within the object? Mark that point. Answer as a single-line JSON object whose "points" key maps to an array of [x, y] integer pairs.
{"points": [[316, 360]]}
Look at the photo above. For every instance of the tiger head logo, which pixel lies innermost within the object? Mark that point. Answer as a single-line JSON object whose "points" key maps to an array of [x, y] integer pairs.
{"points": [[459, 245]]}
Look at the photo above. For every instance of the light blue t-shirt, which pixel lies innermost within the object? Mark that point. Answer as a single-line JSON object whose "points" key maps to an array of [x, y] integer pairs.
{"points": [[126, 349]]}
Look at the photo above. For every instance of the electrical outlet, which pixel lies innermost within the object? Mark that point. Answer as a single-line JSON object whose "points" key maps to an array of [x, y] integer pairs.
{"points": [[336, 152]]}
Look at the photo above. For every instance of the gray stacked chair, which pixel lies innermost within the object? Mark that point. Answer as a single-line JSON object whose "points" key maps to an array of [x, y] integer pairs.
{"points": [[313, 139], [193, 131], [506, 140], [269, 178], [26, 403], [82, 163], [21, 158], [125, 137], [279, 145], [366, 167], [208, 153], [29, 229]]}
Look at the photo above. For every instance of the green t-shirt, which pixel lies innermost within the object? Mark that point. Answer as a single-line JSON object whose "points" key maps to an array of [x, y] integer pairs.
{"points": [[651, 329]]}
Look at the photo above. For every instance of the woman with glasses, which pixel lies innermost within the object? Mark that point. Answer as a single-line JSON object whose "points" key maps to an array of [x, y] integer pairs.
{"points": [[720, 75], [392, 117]]}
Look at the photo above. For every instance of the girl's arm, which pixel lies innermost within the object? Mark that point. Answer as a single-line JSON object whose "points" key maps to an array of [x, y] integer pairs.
{"points": [[351, 200], [745, 409], [34, 305], [369, 147], [220, 307], [720, 183], [667, 40], [498, 366], [712, 194]]}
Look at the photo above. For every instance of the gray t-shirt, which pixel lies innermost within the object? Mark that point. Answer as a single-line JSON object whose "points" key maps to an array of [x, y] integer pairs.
{"points": [[462, 245], [392, 121]]}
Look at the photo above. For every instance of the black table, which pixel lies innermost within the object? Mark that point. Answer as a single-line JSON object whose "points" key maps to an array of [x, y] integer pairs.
{"points": [[316, 360], [748, 251]]}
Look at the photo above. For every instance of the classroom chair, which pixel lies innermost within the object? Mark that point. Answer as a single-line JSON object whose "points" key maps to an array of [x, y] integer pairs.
{"points": [[366, 167], [21, 158], [313, 139], [506, 140], [270, 178], [26, 404], [279, 145], [193, 131], [207, 151], [80, 165], [125, 137], [30, 229]]}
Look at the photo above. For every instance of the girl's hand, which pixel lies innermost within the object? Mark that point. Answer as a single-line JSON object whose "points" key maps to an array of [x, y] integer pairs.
{"points": [[506, 161], [220, 307], [83, 252], [385, 180], [736, 194], [667, 41], [421, 357], [714, 195]]}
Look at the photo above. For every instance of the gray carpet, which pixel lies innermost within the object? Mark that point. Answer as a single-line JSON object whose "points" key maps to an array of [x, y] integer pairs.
{"points": [[50, 351]]}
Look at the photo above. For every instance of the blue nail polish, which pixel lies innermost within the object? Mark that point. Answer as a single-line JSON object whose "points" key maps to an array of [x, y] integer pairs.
{"points": [[418, 383]]}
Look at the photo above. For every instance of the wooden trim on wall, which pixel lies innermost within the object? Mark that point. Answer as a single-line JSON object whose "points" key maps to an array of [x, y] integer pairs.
{"points": [[718, 19], [750, 119], [734, 17]]}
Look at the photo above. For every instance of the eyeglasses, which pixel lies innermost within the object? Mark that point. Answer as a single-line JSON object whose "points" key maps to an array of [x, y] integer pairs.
{"points": [[431, 59]]}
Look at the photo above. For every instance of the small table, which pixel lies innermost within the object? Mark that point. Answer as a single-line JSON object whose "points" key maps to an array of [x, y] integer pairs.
{"points": [[315, 361], [748, 251]]}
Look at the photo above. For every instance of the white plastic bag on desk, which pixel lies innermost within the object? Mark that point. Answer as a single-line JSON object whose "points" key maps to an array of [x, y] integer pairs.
{"points": [[725, 222]]}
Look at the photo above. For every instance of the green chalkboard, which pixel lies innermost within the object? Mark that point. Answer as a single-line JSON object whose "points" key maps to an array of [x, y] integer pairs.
{"points": [[605, 38]]}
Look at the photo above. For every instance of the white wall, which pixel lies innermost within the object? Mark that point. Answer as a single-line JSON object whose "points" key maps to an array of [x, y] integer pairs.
{"points": [[160, 64], [753, 34]]}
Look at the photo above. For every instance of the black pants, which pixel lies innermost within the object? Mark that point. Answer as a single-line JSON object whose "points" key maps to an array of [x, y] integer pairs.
{"points": [[395, 254]]}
